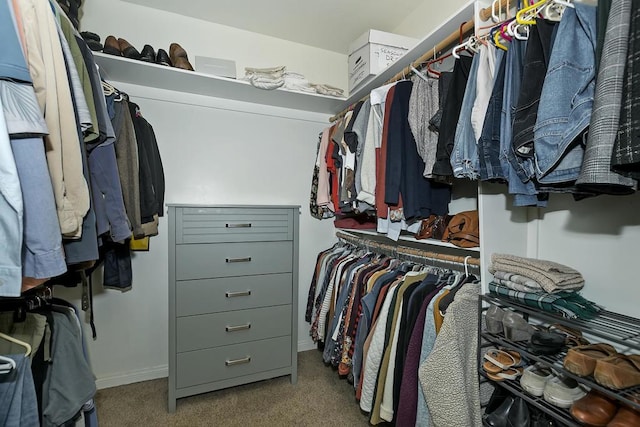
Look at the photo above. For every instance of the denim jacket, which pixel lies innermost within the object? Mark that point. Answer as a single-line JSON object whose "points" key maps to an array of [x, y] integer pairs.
{"points": [[567, 98]]}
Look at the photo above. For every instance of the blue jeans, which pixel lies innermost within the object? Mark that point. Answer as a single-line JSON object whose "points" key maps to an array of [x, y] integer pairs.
{"points": [[490, 166], [464, 156]]}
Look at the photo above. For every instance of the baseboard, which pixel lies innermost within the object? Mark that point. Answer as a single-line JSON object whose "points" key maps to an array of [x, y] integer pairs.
{"points": [[306, 345], [162, 371], [130, 377]]}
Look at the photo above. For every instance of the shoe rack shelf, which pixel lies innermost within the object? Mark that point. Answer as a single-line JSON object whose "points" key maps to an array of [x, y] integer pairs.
{"points": [[513, 386], [125, 70], [608, 326]]}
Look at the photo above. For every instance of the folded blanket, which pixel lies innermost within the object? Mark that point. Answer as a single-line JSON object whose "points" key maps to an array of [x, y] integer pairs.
{"points": [[516, 286], [523, 283], [552, 276], [571, 305]]}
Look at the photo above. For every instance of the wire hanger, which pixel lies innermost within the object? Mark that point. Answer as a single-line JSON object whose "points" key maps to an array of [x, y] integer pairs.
{"points": [[17, 341], [466, 265]]}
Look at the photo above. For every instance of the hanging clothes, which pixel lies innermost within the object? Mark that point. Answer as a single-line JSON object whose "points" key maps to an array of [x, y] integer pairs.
{"points": [[369, 315]]}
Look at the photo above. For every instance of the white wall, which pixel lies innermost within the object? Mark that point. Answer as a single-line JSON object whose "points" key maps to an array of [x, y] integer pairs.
{"points": [[214, 152], [142, 25], [598, 237], [427, 16]]}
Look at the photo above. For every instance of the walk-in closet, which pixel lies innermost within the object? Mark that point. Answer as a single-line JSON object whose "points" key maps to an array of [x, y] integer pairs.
{"points": [[348, 213]]}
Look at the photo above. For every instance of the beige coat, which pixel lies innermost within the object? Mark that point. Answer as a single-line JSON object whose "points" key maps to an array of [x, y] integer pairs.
{"points": [[49, 74]]}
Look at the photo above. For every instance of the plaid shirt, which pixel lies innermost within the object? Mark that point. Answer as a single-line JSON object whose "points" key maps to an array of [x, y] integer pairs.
{"points": [[568, 304]]}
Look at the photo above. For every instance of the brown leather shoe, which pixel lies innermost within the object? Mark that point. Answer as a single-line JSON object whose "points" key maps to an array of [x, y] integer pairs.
{"points": [[619, 371], [111, 46], [175, 50], [128, 50], [595, 409], [581, 360], [183, 63], [626, 417]]}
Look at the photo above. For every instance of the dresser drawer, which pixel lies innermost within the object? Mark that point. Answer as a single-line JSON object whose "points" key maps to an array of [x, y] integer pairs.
{"points": [[202, 261], [227, 224], [232, 293], [232, 327], [220, 363]]}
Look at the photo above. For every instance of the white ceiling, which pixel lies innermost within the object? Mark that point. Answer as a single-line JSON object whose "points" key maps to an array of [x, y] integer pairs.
{"points": [[327, 24]]}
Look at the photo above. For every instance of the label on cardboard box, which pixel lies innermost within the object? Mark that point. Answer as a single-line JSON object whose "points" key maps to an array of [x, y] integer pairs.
{"points": [[387, 55]]}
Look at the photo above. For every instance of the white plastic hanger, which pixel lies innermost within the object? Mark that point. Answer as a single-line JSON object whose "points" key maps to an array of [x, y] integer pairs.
{"points": [[466, 265], [17, 341], [418, 73], [7, 364]]}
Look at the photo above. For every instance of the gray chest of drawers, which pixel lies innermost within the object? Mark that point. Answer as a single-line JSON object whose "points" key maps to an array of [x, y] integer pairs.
{"points": [[233, 296]]}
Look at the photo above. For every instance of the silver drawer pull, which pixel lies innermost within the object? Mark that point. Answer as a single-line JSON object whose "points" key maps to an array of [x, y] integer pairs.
{"points": [[238, 328], [238, 294], [238, 361], [244, 225], [245, 259]]}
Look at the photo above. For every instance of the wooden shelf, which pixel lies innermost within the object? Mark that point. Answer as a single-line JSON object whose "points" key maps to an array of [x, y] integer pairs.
{"points": [[125, 70]]}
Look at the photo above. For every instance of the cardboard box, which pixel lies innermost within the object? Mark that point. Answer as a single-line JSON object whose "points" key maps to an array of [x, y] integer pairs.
{"points": [[372, 52], [215, 66]]}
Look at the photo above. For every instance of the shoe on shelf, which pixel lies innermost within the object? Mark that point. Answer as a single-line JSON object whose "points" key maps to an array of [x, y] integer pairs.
{"points": [[111, 46], [625, 417], [493, 319], [546, 342], [127, 50], [162, 58], [595, 409], [562, 391], [88, 35], [148, 54], [581, 360], [183, 63], [573, 337], [513, 412], [515, 327], [179, 57], [497, 359], [534, 379], [619, 371]]}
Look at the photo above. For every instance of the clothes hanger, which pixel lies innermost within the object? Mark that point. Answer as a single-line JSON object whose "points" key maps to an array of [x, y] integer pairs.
{"points": [[418, 73], [496, 40], [17, 341], [466, 265], [8, 365], [523, 16]]}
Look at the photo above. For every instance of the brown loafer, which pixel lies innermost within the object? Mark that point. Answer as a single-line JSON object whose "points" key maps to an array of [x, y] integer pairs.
{"points": [[581, 360], [128, 50], [625, 417], [183, 63], [175, 51], [595, 409], [619, 371], [111, 46]]}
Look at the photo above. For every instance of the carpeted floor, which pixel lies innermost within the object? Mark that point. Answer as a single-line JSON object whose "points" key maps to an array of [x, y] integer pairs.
{"points": [[320, 398]]}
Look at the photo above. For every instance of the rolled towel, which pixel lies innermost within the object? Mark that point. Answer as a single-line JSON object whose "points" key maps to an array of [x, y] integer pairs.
{"points": [[275, 72], [266, 82], [325, 89], [552, 276]]}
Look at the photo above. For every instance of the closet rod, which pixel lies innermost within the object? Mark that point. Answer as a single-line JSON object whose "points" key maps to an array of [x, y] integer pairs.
{"points": [[405, 250], [452, 39]]}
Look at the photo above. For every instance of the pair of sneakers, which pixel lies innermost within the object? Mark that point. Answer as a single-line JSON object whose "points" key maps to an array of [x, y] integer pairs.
{"points": [[558, 390]]}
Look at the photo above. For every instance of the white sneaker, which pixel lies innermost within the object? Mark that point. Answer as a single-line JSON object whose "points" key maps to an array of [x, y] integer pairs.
{"points": [[562, 392], [534, 378]]}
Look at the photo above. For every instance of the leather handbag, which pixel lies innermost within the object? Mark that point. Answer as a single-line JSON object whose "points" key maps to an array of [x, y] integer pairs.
{"points": [[433, 227], [463, 230]]}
